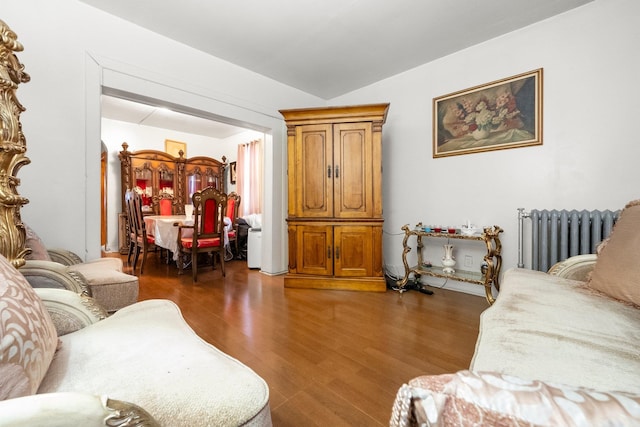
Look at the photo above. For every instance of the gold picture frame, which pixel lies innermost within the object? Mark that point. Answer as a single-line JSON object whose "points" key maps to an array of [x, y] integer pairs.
{"points": [[232, 172], [503, 114], [174, 147]]}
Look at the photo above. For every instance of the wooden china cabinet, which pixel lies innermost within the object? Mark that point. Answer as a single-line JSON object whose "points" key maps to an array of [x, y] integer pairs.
{"points": [[155, 174], [335, 197]]}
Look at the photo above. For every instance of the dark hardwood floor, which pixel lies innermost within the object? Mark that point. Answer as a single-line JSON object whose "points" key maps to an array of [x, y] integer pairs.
{"points": [[331, 358]]}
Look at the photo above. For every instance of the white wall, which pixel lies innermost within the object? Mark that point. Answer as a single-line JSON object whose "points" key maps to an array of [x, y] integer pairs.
{"points": [[115, 132], [73, 50], [589, 157]]}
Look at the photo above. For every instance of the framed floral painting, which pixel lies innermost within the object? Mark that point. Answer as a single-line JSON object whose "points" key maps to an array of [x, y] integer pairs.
{"points": [[506, 113]]}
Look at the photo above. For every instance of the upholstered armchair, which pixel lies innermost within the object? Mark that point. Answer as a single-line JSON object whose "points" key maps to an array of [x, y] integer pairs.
{"points": [[63, 362], [102, 278]]}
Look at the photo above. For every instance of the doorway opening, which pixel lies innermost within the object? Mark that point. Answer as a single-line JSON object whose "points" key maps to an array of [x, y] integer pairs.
{"points": [[106, 77]]}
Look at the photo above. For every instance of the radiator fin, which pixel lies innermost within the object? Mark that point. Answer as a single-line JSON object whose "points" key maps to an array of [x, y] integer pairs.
{"points": [[560, 234]]}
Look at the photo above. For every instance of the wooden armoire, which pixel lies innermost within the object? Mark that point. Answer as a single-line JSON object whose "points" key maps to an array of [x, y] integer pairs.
{"points": [[335, 197]]}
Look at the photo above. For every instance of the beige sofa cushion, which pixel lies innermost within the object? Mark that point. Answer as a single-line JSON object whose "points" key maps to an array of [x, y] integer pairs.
{"points": [[146, 354], [28, 338], [112, 288], [617, 270], [107, 263], [551, 329]]}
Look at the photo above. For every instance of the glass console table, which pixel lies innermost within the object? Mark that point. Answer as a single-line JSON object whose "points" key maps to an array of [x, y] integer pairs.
{"points": [[488, 276]]}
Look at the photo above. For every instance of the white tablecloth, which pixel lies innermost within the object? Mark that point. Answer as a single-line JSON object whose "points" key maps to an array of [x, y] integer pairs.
{"points": [[165, 233], [163, 230]]}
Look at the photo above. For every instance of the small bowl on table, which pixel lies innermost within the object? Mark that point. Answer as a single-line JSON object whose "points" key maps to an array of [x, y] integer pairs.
{"points": [[469, 231]]}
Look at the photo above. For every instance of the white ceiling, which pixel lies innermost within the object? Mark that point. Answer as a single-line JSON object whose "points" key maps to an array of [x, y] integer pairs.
{"points": [[115, 108], [331, 47]]}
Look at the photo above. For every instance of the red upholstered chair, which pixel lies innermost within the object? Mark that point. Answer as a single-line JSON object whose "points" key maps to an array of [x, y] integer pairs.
{"points": [[165, 207], [138, 238], [163, 204], [233, 207], [206, 235]]}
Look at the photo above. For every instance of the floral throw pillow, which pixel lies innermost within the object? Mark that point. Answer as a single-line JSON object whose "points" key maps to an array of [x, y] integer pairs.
{"points": [[28, 337], [490, 398]]}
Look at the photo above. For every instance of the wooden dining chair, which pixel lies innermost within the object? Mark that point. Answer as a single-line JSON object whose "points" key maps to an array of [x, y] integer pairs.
{"points": [[233, 207], [131, 232], [206, 235], [138, 238]]}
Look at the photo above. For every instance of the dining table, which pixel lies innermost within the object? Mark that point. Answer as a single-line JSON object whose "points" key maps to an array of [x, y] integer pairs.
{"points": [[164, 229]]}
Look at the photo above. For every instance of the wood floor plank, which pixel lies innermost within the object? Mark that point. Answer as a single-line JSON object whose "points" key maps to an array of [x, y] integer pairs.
{"points": [[330, 357], [319, 406]]}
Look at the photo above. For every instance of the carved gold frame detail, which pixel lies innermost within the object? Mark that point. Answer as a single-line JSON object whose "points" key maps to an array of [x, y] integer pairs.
{"points": [[12, 149]]}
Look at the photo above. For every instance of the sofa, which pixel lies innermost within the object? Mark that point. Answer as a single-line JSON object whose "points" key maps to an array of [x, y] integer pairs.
{"points": [[63, 362], [102, 279], [556, 348]]}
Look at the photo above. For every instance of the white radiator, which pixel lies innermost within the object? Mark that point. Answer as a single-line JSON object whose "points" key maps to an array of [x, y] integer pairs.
{"points": [[559, 234]]}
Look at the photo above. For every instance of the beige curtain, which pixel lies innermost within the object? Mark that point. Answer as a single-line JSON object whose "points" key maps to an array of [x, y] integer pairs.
{"points": [[249, 177]]}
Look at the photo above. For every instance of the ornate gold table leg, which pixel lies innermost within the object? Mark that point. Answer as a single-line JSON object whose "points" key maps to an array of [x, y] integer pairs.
{"points": [[405, 250]]}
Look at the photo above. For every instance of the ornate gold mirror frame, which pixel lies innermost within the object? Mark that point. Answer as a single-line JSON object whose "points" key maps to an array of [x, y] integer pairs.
{"points": [[12, 149]]}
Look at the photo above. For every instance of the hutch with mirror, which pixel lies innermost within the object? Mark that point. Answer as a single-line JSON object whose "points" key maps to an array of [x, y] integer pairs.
{"points": [[156, 174]]}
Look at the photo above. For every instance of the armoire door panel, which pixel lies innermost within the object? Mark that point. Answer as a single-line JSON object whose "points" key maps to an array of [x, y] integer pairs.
{"points": [[315, 250], [353, 195], [315, 167], [353, 251]]}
